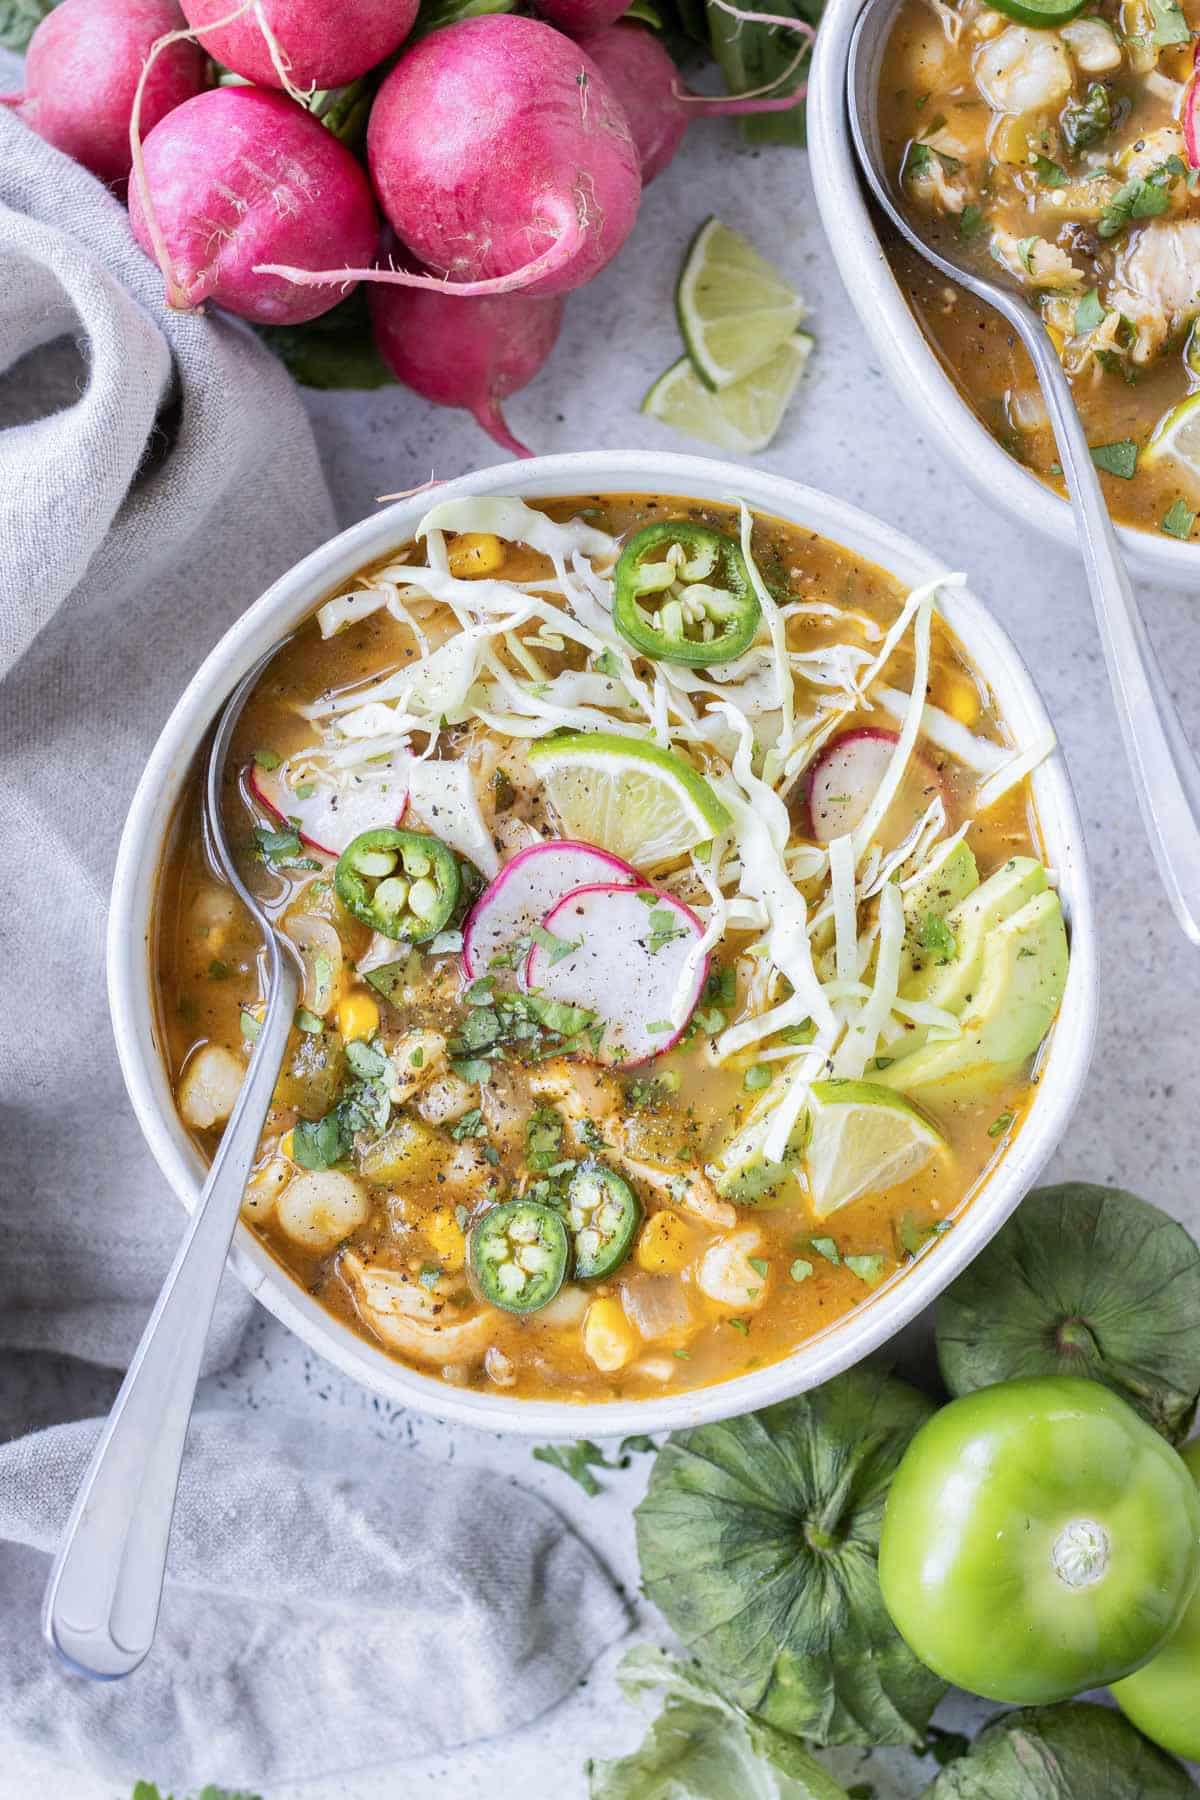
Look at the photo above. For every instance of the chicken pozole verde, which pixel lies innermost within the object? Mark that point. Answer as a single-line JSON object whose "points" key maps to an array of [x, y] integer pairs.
{"points": [[1060, 140], [670, 979]]}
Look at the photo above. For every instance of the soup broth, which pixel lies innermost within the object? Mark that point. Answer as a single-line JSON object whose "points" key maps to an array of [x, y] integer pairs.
{"points": [[1061, 154], [638, 1119]]}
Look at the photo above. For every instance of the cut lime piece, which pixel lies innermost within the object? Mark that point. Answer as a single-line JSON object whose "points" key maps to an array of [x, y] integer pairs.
{"points": [[1177, 437], [734, 309], [863, 1138], [742, 418], [627, 796]]}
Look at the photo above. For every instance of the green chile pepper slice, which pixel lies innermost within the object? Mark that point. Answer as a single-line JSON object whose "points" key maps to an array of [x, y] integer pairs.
{"points": [[683, 594], [519, 1253], [604, 1213], [404, 884], [1039, 1539]]}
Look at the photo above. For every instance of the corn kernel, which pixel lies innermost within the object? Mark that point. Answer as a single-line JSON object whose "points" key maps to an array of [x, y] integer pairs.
{"points": [[608, 1337], [287, 1145], [445, 1234], [357, 1017], [663, 1247], [476, 553], [962, 702]]}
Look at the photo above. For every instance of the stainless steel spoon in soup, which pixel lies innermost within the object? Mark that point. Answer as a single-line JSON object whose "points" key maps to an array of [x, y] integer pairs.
{"points": [[103, 1596], [1166, 774]]}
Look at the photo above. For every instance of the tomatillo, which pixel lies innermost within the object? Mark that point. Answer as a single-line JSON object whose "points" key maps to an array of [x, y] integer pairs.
{"points": [[1039, 1539], [1163, 1698]]}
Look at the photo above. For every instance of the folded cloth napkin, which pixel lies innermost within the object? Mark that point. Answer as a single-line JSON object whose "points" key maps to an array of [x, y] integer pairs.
{"points": [[156, 472], [319, 1614]]}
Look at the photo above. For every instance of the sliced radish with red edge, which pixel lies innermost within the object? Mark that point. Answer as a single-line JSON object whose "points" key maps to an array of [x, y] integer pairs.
{"points": [[527, 888], [846, 777], [329, 817], [630, 949], [1190, 115]]}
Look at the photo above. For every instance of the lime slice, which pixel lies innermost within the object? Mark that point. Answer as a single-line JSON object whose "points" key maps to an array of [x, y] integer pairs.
{"points": [[1177, 437], [744, 417], [863, 1138], [734, 309], [627, 796]]}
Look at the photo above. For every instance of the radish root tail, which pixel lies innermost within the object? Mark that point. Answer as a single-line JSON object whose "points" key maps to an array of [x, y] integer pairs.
{"points": [[550, 262], [280, 60], [754, 101], [492, 420], [12, 99], [176, 298]]}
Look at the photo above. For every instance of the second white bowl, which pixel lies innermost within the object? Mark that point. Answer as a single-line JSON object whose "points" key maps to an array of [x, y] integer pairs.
{"points": [[906, 352]]}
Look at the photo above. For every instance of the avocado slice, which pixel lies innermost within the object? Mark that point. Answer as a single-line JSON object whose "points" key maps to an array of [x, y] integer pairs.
{"points": [[950, 977], [942, 884], [1022, 974]]}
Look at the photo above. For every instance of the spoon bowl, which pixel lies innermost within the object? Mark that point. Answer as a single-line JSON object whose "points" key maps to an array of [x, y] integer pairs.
{"points": [[1165, 772], [102, 1599]]}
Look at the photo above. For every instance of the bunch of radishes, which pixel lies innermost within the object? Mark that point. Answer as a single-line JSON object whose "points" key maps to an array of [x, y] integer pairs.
{"points": [[507, 157]]}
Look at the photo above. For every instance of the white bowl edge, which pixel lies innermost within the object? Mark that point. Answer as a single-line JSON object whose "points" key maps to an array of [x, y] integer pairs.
{"points": [[906, 354], [293, 597]]}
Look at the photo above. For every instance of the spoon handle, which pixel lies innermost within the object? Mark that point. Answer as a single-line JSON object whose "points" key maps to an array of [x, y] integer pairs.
{"points": [[1166, 776], [102, 1601]]}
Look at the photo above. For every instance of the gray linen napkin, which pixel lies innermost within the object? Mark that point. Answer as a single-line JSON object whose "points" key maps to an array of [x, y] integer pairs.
{"points": [[326, 1617], [156, 473]]}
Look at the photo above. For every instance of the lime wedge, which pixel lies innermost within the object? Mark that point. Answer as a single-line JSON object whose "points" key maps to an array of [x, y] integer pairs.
{"points": [[863, 1138], [1177, 437], [734, 309], [627, 796], [742, 418]]}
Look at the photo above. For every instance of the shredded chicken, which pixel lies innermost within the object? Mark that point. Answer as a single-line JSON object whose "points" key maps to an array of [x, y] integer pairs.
{"points": [[1158, 282], [411, 1318]]}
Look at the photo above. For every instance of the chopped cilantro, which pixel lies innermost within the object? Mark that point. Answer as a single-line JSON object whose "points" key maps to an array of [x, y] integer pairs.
{"points": [[742, 1325], [1117, 459], [250, 1025], [579, 1459], [804, 1033], [282, 848], [1089, 313], [1170, 26], [656, 1027], [867, 1268], [800, 1269], [759, 1266], [217, 971], [936, 937], [471, 1125], [608, 663], [999, 1126], [543, 1138], [757, 1076], [664, 929], [267, 759], [1178, 520], [826, 1247], [1049, 173], [319, 1143], [1091, 119], [558, 947], [367, 1062], [970, 223]]}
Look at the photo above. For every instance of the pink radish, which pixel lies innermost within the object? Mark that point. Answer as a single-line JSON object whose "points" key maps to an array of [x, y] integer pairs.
{"points": [[529, 887], [236, 176], [470, 353], [502, 160], [327, 817], [846, 777], [314, 43], [1190, 113], [633, 947], [81, 75], [646, 82], [578, 18]]}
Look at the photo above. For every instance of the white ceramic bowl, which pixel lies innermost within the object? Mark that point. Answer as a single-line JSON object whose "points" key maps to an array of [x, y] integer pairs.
{"points": [[290, 600], [902, 346]]}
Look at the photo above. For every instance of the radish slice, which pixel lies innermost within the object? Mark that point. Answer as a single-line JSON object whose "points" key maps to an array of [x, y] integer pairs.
{"points": [[1190, 115], [329, 816], [527, 888], [632, 945], [846, 777]]}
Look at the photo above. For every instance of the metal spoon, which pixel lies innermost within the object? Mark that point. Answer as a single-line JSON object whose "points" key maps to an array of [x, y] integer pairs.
{"points": [[102, 1600], [1166, 776]]}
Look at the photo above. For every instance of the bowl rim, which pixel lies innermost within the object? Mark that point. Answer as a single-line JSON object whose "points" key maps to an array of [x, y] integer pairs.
{"points": [[909, 359], [295, 595]]}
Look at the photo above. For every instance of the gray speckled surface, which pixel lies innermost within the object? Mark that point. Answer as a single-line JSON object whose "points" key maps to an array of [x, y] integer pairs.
{"points": [[1139, 1121]]}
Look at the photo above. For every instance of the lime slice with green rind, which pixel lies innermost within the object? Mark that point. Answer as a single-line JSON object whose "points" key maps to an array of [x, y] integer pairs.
{"points": [[1177, 438], [734, 309], [742, 418], [627, 796], [863, 1138]]}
